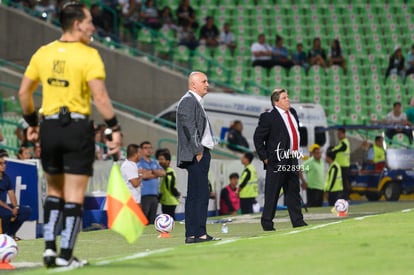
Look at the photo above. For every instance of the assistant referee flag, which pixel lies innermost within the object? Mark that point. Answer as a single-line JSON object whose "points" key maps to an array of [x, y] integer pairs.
{"points": [[124, 214]]}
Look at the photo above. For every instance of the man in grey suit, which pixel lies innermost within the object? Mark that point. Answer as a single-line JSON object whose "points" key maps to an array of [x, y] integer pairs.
{"points": [[195, 140]]}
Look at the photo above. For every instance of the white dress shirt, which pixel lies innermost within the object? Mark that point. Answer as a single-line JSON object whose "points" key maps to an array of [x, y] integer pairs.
{"points": [[286, 121], [207, 140]]}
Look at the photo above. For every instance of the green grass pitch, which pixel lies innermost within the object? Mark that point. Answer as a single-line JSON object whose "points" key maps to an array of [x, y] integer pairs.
{"points": [[375, 238]]}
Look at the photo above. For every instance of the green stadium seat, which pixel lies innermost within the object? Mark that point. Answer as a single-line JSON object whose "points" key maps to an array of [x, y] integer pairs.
{"points": [[220, 74], [181, 55], [201, 63]]}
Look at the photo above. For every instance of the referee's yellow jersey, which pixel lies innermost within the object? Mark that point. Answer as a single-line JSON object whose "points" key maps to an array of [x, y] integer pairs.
{"points": [[64, 68]]}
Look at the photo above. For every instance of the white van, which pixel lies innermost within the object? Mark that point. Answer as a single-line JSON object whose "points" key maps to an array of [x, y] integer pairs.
{"points": [[223, 109]]}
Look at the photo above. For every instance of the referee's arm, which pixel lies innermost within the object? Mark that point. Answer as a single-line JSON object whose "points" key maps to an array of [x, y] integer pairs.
{"points": [[104, 106], [27, 87]]}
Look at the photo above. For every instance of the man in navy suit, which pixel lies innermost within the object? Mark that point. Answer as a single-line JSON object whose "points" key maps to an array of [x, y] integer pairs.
{"points": [[277, 142], [195, 140]]}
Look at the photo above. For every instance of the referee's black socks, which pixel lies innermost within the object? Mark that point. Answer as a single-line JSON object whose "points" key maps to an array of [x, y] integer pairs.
{"points": [[72, 219], [53, 208]]}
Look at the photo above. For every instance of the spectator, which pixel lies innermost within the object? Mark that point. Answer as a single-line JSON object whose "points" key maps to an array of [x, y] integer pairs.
{"points": [[130, 16], [24, 153], [168, 188], [227, 37], [3, 153], [261, 53], [186, 15], [409, 63], [335, 55], [396, 64], [187, 37], [102, 25], [167, 20], [45, 9], [343, 158], [398, 119], [209, 33], [3, 140], [333, 184], [235, 138], [248, 190], [12, 215], [132, 176], [376, 154], [410, 112], [317, 55], [229, 197], [299, 57], [149, 15], [281, 54], [151, 171], [314, 170], [37, 151]]}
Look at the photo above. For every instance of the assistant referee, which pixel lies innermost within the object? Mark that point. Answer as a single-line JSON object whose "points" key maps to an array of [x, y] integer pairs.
{"points": [[70, 72]]}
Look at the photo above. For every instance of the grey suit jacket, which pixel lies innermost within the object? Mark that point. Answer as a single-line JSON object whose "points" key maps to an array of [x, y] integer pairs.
{"points": [[191, 123]]}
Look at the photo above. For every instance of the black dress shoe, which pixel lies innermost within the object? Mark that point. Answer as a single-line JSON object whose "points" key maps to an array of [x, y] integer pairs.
{"points": [[189, 240], [208, 238], [269, 229], [301, 224]]}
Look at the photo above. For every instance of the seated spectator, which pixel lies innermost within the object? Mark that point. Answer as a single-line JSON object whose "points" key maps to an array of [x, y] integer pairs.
{"points": [[410, 112], [409, 63], [36, 151], [299, 57], [3, 140], [227, 37], [186, 15], [397, 118], [396, 63], [149, 15], [167, 20], [102, 24], [229, 197], [130, 16], [12, 215], [235, 137], [24, 153], [209, 33], [186, 37], [376, 154], [317, 55], [335, 55], [261, 53], [281, 54], [46, 10]]}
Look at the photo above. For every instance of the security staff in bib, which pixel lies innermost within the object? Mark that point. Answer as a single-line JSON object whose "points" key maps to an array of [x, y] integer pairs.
{"points": [[248, 184], [70, 72], [333, 184], [376, 154], [343, 158]]}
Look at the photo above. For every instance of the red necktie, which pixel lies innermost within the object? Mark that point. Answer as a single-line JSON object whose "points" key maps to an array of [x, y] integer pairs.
{"points": [[294, 133]]}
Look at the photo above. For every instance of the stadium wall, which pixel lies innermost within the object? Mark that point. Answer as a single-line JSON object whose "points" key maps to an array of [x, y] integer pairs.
{"points": [[130, 80]]}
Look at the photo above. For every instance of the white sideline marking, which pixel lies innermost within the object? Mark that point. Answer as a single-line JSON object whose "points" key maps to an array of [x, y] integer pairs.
{"points": [[27, 264], [311, 228], [364, 217], [134, 256], [407, 210], [226, 241]]}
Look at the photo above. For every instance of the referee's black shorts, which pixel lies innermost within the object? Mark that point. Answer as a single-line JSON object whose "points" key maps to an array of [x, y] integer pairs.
{"points": [[67, 149]]}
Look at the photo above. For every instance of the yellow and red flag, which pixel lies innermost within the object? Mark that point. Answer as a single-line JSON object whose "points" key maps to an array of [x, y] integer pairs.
{"points": [[124, 214]]}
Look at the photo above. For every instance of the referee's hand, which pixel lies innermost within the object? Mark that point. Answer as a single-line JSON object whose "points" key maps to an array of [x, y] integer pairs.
{"points": [[115, 144], [33, 134]]}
